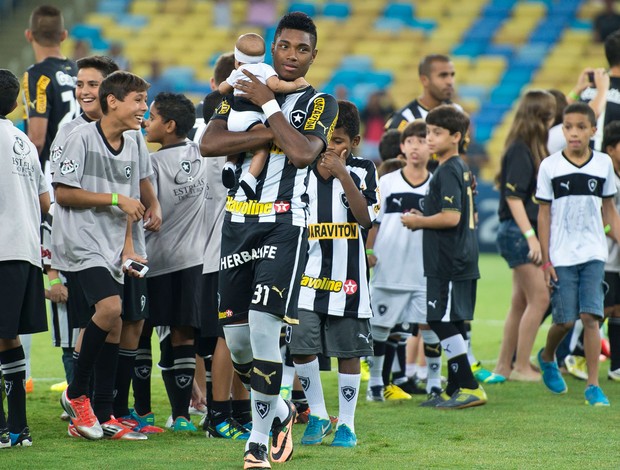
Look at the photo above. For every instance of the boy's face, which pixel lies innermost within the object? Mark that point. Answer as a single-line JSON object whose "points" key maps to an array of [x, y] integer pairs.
{"points": [[130, 112], [87, 91], [577, 131], [155, 126], [292, 54], [415, 150], [341, 141], [440, 141]]}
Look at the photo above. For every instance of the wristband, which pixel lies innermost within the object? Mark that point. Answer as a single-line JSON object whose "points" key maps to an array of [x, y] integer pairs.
{"points": [[370, 251], [607, 228], [270, 108], [529, 233], [574, 95], [546, 265], [53, 282], [115, 199]]}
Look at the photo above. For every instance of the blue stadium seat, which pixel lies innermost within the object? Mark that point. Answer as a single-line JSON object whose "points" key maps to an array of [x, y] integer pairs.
{"points": [[402, 11], [132, 21], [357, 62], [470, 49], [182, 77], [309, 9], [389, 24], [112, 7], [85, 32], [476, 92], [337, 10]]}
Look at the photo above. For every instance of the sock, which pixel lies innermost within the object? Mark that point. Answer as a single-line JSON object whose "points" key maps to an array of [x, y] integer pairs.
{"points": [[300, 400], [67, 362], [105, 377], [310, 379], [613, 332], [349, 386], [470, 353], [411, 370], [220, 411], [26, 341], [126, 360], [92, 343], [376, 364], [141, 376], [400, 377], [264, 407], [228, 175], [3, 424], [242, 411], [13, 363], [183, 373], [388, 362], [288, 376], [208, 363], [250, 180], [460, 374], [432, 353]]}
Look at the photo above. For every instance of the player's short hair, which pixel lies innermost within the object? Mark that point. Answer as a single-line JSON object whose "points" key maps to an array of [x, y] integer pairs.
{"points": [[47, 25], [98, 62], [426, 64], [415, 128], [299, 21], [449, 117], [581, 108], [611, 135], [176, 107], [348, 118], [612, 49], [390, 165], [224, 65], [389, 145], [9, 90], [119, 84]]}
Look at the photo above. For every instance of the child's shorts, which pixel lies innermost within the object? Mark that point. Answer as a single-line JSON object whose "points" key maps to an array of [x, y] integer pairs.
{"points": [[512, 244], [579, 290]]}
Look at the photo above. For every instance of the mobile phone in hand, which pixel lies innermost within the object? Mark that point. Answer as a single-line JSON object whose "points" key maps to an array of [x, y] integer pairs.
{"points": [[141, 269]]}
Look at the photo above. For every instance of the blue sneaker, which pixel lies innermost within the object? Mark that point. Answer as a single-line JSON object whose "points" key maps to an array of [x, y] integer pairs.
{"points": [[183, 424], [23, 438], [316, 430], [485, 376], [595, 396], [551, 375], [344, 437]]}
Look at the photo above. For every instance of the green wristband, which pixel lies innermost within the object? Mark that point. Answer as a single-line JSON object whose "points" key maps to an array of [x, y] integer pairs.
{"points": [[370, 251], [573, 95], [607, 228], [53, 282], [115, 199], [529, 233]]}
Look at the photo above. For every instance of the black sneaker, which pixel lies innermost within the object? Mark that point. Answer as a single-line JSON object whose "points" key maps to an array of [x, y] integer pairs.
{"points": [[22, 439], [256, 456], [226, 429], [412, 387], [5, 438], [249, 192], [435, 397], [228, 177]]}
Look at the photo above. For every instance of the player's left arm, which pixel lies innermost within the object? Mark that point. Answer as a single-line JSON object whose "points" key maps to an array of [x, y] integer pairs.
{"points": [[152, 216], [37, 129], [129, 252]]}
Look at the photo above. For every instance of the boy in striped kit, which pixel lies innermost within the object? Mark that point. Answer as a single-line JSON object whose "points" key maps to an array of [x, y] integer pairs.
{"points": [[334, 301]]}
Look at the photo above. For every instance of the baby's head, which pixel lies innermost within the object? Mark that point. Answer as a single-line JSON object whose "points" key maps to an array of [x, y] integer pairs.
{"points": [[249, 49]]}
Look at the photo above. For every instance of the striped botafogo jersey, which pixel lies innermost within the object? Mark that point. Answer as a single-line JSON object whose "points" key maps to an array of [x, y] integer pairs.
{"points": [[95, 237], [335, 281], [281, 188], [410, 113]]}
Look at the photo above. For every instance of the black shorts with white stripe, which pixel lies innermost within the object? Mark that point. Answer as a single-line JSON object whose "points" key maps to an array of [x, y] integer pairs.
{"points": [[450, 301]]}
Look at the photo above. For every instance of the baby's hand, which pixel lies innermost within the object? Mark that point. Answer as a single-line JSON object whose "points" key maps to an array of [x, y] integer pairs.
{"points": [[301, 83]]}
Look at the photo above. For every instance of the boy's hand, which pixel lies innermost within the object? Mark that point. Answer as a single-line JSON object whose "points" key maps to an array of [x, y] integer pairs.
{"points": [[301, 83], [132, 207], [133, 256], [372, 261], [601, 79], [58, 294], [152, 218], [253, 90], [412, 219], [550, 277], [334, 163], [535, 253], [583, 81]]}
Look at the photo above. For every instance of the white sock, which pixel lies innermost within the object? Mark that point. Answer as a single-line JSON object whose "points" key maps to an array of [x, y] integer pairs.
{"points": [[310, 379], [411, 369], [250, 180], [470, 352], [349, 388], [376, 371], [422, 372], [282, 409], [288, 376], [229, 166], [264, 409]]}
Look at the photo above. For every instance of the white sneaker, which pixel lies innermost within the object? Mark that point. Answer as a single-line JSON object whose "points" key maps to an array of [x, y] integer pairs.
{"points": [[614, 375]]}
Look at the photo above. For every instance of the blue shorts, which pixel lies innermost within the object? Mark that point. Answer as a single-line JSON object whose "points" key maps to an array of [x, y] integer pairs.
{"points": [[512, 244], [579, 290]]}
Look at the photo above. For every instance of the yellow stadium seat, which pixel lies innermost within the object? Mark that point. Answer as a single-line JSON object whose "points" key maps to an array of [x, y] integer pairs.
{"points": [[145, 7]]}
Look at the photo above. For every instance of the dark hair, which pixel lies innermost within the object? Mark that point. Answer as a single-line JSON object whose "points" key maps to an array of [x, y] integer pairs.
{"points": [[560, 104], [390, 165], [425, 65], [299, 21], [47, 25], [348, 118], [389, 145], [9, 89], [612, 49], [98, 62], [415, 128], [119, 84], [581, 108], [449, 117], [176, 107], [611, 135], [223, 66]]}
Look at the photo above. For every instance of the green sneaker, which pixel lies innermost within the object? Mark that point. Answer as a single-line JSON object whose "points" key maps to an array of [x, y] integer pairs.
{"points": [[485, 376], [5, 438], [344, 437], [182, 424], [464, 398], [316, 430]]}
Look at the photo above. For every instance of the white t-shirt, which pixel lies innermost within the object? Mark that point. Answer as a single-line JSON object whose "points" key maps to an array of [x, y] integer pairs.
{"points": [[613, 259], [262, 71], [556, 141], [575, 194]]}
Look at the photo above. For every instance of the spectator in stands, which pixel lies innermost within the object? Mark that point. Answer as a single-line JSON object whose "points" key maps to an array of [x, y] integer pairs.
{"points": [[526, 146], [377, 110], [80, 49], [606, 23], [159, 82]]}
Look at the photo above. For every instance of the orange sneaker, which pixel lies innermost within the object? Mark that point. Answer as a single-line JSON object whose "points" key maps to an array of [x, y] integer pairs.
{"points": [[282, 438], [113, 429], [29, 385], [82, 416]]}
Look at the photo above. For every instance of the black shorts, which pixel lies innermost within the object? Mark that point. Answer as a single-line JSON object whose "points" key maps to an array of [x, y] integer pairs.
{"points": [[260, 269], [86, 288], [23, 299], [135, 299], [449, 301], [209, 324], [175, 298], [612, 291]]}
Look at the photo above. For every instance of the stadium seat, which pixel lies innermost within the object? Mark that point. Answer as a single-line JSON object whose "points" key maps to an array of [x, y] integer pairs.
{"points": [[114, 7], [309, 9], [340, 11]]}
